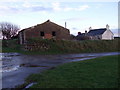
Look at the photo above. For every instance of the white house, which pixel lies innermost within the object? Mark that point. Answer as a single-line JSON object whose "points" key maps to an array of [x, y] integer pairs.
{"points": [[100, 34]]}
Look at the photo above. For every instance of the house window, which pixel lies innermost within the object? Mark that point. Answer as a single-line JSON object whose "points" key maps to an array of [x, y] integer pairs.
{"points": [[53, 33], [41, 33]]}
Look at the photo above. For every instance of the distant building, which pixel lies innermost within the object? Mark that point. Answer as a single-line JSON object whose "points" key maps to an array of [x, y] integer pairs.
{"points": [[82, 36], [46, 30], [99, 34]]}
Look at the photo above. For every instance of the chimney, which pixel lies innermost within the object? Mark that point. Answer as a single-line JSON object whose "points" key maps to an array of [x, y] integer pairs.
{"points": [[107, 27], [48, 20], [65, 25], [85, 32], [90, 28], [79, 33]]}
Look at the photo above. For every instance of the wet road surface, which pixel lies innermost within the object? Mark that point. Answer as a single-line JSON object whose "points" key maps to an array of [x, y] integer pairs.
{"points": [[16, 67]]}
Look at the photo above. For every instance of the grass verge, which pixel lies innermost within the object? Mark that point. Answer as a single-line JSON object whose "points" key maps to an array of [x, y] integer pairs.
{"points": [[95, 73], [61, 46]]}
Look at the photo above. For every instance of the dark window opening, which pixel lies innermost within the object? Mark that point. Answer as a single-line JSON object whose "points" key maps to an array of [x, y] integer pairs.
{"points": [[42, 33], [53, 33]]}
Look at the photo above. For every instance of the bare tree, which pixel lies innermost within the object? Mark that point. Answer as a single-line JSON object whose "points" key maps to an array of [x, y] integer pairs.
{"points": [[8, 29]]}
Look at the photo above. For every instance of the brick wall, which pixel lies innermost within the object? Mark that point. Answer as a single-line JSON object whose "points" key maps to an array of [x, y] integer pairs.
{"points": [[47, 27]]}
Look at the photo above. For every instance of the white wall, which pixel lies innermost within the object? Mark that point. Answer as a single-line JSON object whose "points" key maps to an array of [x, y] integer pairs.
{"points": [[107, 35]]}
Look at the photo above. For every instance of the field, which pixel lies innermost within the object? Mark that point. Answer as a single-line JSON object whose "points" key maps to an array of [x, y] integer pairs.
{"points": [[95, 73]]}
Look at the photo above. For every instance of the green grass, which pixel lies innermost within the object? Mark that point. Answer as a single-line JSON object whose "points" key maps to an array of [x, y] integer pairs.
{"points": [[95, 73], [62, 46]]}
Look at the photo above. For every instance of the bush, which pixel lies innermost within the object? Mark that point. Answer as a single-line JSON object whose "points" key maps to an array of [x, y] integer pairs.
{"points": [[64, 46], [10, 43], [78, 46]]}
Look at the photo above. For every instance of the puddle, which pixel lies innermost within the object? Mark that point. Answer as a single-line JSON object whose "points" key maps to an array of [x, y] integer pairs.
{"points": [[83, 59], [9, 54], [31, 65], [8, 64], [80, 57], [13, 61], [9, 69], [29, 85]]}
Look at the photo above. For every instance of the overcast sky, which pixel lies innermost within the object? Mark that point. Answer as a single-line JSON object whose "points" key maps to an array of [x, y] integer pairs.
{"points": [[78, 15]]}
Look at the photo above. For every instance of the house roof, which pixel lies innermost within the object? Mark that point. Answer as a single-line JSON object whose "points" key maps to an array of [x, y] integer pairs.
{"points": [[94, 32], [46, 24], [51, 24]]}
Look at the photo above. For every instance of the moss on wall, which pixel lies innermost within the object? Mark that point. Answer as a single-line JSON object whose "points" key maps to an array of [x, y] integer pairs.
{"points": [[67, 46]]}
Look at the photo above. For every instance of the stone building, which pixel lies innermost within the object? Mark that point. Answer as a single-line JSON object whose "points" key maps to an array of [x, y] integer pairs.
{"points": [[46, 30]]}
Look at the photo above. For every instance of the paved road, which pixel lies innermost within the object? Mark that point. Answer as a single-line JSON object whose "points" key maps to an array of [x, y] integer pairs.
{"points": [[16, 67]]}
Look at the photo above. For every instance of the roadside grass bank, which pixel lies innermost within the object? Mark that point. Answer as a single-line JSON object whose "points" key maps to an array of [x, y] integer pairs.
{"points": [[37, 46], [10, 46], [94, 73]]}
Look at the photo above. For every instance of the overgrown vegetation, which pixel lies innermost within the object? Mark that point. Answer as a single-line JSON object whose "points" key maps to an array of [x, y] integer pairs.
{"points": [[40, 46], [11, 46], [95, 73]]}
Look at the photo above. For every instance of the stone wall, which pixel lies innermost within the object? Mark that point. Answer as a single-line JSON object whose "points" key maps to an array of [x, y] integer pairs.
{"points": [[47, 27], [36, 47]]}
